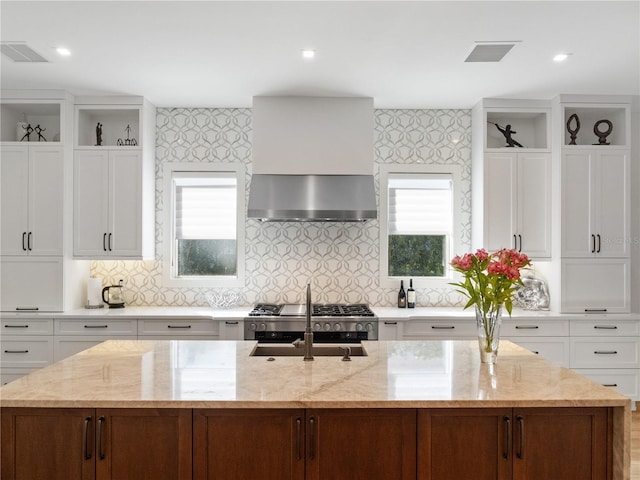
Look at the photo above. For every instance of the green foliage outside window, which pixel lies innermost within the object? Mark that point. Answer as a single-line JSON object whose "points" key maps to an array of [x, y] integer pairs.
{"points": [[417, 255], [207, 257]]}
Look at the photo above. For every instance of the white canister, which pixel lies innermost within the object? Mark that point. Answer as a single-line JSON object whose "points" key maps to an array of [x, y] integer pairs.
{"points": [[94, 292]]}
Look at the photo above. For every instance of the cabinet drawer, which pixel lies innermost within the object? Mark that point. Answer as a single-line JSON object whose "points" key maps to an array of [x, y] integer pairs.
{"points": [[624, 381], [604, 328], [8, 375], [604, 353], [178, 327], [414, 329], [65, 346], [556, 350], [26, 326], [107, 327], [26, 352], [534, 328]]}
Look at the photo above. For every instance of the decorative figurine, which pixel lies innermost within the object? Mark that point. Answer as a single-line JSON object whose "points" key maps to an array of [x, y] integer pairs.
{"points": [[98, 134], [602, 136], [507, 132], [573, 132], [28, 131], [128, 142], [39, 131]]}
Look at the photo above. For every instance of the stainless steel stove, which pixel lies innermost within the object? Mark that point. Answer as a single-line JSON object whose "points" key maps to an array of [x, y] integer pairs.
{"points": [[331, 323]]}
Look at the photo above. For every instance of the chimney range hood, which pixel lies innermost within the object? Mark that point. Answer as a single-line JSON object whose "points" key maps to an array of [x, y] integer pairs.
{"points": [[312, 159]]}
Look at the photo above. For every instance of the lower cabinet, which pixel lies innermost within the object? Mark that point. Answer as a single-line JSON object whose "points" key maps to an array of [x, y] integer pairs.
{"points": [[520, 444], [328, 443], [63, 444]]}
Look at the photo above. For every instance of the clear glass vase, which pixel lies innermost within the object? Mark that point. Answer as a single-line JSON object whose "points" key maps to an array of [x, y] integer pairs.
{"points": [[488, 323]]}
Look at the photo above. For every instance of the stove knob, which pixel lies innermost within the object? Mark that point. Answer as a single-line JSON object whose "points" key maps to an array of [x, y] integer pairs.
{"points": [[274, 334], [317, 327], [253, 327], [327, 326], [359, 327], [369, 327], [263, 327], [337, 327]]}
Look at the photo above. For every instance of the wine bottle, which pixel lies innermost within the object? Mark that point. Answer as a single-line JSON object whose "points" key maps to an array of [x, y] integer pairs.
{"points": [[402, 296], [411, 295]]}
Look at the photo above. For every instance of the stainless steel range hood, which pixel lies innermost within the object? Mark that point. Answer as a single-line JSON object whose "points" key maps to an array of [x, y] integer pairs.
{"points": [[312, 198], [312, 159]]}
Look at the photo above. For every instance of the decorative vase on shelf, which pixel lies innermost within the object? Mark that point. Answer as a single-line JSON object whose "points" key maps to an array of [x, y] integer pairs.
{"points": [[488, 323]]}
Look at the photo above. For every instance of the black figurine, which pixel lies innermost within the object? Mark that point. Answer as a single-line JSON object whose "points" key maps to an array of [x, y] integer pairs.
{"points": [[573, 132], [98, 134], [602, 136], [128, 142], [39, 131], [507, 132], [28, 131]]}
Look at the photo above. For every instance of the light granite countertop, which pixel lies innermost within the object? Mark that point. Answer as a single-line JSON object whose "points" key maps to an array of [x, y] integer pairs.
{"points": [[222, 374]]}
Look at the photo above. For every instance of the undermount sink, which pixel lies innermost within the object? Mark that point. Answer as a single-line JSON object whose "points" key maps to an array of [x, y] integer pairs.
{"points": [[270, 350]]}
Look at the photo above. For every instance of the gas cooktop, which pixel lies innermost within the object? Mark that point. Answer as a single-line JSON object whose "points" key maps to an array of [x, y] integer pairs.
{"points": [[318, 310]]}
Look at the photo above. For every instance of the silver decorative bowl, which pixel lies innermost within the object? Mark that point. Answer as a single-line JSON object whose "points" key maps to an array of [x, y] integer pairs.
{"points": [[223, 300]]}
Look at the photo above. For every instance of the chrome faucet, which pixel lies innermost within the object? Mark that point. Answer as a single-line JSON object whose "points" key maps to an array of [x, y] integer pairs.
{"points": [[308, 333]]}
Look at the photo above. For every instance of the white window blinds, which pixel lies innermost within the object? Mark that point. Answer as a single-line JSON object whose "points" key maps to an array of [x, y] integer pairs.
{"points": [[205, 205], [420, 204]]}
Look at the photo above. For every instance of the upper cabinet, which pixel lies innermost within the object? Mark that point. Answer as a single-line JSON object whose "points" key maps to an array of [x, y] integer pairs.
{"points": [[602, 122], [114, 178], [32, 121], [511, 169]]}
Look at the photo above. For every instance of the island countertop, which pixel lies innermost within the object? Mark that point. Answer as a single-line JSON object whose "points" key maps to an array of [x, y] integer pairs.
{"points": [[221, 374]]}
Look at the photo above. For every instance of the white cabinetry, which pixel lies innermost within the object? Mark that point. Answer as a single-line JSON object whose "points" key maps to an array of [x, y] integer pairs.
{"points": [[26, 344], [75, 335], [114, 178], [389, 329], [544, 337], [425, 328], [31, 189], [107, 203], [31, 284], [595, 206], [231, 329], [512, 185], [517, 202], [178, 328]]}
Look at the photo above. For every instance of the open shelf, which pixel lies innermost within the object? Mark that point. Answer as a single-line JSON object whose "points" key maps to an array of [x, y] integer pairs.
{"points": [[588, 116], [532, 129], [114, 123], [44, 115]]}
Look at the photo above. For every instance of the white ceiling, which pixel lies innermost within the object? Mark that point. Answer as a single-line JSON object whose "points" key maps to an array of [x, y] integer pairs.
{"points": [[403, 54]]}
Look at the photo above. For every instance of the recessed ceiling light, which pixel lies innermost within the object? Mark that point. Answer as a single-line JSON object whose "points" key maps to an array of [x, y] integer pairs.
{"points": [[561, 57], [308, 53], [64, 52]]}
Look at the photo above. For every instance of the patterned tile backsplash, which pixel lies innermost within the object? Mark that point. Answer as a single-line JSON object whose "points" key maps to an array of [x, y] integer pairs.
{"points": [[341, 258]]}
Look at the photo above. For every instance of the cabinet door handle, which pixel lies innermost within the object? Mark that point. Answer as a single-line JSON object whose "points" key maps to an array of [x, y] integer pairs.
{"points": [[443, 327], [24, 236], [598, 250], [605, 352], [29, 241], [230, 323], [299, 437], [27, 309], [527, 327], [609, 384], [515, 242], [110, 241], [605, 327], [178, 326], [85, 438], [16, 351], [312, 440], [593, 243], [96, 326], [390, 323], [520, 242], [520, 452], [595, 310], [507, 433], [101, 421], [104, 242], [16, 326]]}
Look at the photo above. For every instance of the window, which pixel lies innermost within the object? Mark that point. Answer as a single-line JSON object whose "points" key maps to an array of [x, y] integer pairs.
{"points": [[204, 239], [418, 216]]}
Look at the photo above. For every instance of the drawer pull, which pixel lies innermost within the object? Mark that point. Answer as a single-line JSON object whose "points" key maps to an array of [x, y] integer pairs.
{"points": [[609, 384], [605, 327], [536, 352], [178, 326], [595, 310], [96, 326], [16, 351], [443, 327], [16, 326], [390, 323], [230, 323], [27, 309], [605, 352], [527, 327]]}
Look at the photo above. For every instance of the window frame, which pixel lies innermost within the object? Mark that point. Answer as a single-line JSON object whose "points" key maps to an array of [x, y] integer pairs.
{"points": [[456, 241], [169, 273]]}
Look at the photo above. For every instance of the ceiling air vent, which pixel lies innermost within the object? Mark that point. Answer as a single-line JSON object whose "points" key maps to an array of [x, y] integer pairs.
{"points": [[21, 52], [489, 52]]}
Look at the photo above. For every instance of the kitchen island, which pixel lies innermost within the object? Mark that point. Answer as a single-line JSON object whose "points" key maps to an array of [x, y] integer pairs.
{"points": [[406, 410]]}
